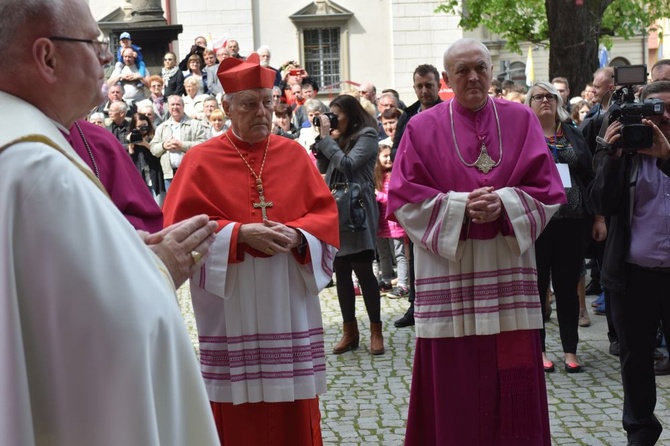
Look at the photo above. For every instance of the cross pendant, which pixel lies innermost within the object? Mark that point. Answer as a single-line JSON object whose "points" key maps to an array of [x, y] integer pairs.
{"points": [[484, 162], [262, 205]]}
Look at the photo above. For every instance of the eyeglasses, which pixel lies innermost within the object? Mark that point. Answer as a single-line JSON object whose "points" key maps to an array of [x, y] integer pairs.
{"points": [[276, 96], [101, 46], [156, 86], [541, 97]]}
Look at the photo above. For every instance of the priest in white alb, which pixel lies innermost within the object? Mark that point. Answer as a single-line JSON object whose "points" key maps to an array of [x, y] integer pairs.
{"points": [[474, 184], [256, 297], [94, 348]]}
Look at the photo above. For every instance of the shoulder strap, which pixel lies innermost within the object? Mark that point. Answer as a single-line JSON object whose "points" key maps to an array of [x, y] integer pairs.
{"points": [[50, 143]]}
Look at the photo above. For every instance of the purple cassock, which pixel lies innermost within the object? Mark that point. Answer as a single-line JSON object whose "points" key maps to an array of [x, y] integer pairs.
{"points": [[109, 161]]}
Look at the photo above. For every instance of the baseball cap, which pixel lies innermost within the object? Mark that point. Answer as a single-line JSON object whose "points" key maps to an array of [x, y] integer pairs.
{"points": [[124, 35]]}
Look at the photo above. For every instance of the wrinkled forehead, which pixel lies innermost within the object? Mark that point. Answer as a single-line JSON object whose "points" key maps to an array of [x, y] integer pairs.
{"points": [[471, 53], [256, 94], [469, 59]]}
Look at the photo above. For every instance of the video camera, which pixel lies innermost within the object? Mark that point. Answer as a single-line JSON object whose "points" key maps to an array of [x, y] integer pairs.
{"points": [[634, 134], [332, 117]]}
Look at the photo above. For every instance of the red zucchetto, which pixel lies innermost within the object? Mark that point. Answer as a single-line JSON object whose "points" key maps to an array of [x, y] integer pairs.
{"points": [[237, 74]]}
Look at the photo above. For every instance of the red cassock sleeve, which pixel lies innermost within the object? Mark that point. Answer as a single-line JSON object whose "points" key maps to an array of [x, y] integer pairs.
{"points": [[214, 180]]}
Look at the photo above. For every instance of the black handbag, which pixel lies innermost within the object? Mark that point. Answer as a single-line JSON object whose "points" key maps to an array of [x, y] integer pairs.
{"points": [[349, 198]]}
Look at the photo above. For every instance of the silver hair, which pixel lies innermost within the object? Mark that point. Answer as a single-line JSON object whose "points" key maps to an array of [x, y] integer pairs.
{"points": [[193, 80], [466, 41], [143, 103], [17, 16], [230, 97], [96, 115], [389, 95], [314, 105], [122, 106], [181, 99], [560, 111], [264, 48]]}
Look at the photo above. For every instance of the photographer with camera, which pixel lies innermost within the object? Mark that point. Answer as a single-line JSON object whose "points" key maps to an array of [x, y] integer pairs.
{"points": [[198, 48], [631, 188], [139, 147], [347, 153]]}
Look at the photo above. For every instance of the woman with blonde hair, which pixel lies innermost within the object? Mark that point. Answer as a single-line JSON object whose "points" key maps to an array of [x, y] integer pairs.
{"points": [[559, 250], [193, 101]]}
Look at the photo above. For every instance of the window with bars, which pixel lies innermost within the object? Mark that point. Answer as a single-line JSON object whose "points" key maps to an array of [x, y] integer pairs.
{"points": [[322, 56]]}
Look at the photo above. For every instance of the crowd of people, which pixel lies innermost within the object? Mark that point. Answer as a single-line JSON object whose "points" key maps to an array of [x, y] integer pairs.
{"points": [[479, 210]]}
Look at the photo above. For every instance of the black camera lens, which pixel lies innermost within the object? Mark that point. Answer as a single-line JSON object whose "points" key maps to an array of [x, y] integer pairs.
{"points": [[332, 117], [135, 136], [636, 136]]}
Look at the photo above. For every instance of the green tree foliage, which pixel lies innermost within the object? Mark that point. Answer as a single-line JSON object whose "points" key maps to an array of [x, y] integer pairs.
{"points": [[515, 21], [573, 29]]}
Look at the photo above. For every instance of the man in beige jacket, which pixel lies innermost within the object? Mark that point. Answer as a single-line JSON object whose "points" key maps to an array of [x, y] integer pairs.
{"points": [[174, 137]]}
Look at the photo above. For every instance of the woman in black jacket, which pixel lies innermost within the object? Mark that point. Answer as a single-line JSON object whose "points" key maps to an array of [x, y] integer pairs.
{"points": [[560, 249], [173, 78], [351, 150]]}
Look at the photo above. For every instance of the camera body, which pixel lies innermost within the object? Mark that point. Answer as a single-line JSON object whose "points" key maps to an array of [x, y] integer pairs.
{"points": [[332, 117], [134, 136], [634, 134]]}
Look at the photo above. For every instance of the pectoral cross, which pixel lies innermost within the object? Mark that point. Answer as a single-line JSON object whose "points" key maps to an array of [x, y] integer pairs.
{"points": [[484, 162], [262, 205]]}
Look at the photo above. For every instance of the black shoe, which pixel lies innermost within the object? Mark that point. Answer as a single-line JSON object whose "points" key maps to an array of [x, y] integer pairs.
{"points": [[593, 288], [614, 348], [398, 292], [407, 320], [573, 368], [662, 367], [385, 286]]}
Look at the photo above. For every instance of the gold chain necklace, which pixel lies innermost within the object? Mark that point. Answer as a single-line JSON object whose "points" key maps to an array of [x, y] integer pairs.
{"points": [[262, 204], [484, 162]]}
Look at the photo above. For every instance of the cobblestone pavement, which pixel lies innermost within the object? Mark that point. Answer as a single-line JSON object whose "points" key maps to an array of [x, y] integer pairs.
{"points": [[367, 398]]}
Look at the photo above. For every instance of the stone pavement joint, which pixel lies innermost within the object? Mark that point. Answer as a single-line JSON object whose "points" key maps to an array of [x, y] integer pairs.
{"points": [[368, 396]]}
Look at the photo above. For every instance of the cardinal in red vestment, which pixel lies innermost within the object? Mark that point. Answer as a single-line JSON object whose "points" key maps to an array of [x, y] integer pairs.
{"points": [[256, 296]]}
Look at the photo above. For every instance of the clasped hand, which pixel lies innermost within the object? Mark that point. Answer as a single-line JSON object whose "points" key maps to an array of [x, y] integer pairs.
{"points": [[483, 205], [269, 237], [172, 145]]}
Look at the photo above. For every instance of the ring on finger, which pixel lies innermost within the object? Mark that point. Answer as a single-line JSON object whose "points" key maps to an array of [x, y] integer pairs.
{"points": [[269, 251], [196, 256]]}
